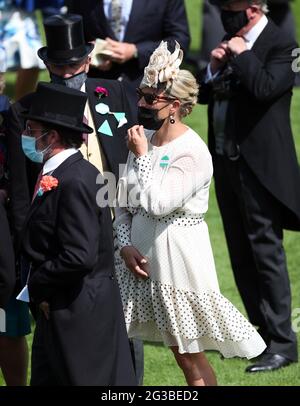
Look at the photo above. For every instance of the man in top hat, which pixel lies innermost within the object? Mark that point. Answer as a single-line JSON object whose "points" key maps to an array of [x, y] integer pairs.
{"points": [[67, 57], [80, 336], [248, 87]]}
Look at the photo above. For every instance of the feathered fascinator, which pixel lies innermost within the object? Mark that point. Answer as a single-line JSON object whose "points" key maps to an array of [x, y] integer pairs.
{"points": [[163, 66]]}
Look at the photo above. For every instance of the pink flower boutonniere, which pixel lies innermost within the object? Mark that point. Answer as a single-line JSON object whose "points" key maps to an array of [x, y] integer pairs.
{"points": [[101, 92], [47, 183]]}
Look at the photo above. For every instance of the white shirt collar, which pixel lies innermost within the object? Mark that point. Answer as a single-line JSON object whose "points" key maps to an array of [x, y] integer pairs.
{"points": [[56, 160], [252, 35]]}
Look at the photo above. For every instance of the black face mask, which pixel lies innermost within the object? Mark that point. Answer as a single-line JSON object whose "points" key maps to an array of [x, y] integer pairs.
{"points": [[149, 118], [73, 82], [234, 21]]}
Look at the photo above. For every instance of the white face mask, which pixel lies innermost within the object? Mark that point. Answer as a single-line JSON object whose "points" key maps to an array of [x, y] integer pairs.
{"points": [[29, 148]]}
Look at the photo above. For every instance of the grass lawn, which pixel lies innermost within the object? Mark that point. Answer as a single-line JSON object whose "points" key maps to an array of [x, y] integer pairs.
{"points": [[160, 368]]}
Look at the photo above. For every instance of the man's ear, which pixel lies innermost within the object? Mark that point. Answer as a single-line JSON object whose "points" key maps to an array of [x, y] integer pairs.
{"points": [[254, 10], [87, 63], [54, 137]]}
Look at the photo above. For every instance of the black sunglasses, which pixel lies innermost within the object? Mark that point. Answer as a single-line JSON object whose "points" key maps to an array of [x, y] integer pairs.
{"points": [[150, 98]]}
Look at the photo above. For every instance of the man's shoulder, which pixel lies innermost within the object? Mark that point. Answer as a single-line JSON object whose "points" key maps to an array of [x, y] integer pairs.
{"points": [[77, 161], [109, 84], [277, 37], [76, 167], [116, 94]]}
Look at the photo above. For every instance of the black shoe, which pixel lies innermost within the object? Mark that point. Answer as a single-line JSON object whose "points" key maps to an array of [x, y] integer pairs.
{"points": [[268, 362]]}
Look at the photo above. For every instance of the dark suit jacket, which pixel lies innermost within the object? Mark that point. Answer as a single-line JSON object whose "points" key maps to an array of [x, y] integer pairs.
{"points": [[68, 240], [7, 270], [149, 23], [24, 173], [258, 117], [7, 266]]}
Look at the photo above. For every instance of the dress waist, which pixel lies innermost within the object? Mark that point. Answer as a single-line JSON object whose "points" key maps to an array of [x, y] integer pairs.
{"points": [[179, 218]]}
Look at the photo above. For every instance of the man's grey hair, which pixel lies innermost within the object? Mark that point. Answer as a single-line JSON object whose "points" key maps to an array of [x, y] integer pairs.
{"points": [[262, 3]]}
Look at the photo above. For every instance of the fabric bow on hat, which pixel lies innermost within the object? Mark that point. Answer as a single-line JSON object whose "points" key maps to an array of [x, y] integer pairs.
{"points": [[163, 66]]}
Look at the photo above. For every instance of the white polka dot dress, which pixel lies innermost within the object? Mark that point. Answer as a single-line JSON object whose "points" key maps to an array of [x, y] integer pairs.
{"points": [[163, 197]]}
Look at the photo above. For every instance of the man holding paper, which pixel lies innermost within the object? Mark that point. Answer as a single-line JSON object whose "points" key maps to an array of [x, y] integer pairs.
{"points": [[133, 29]]}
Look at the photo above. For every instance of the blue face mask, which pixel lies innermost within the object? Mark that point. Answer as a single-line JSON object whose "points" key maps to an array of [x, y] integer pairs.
{"points": [[29, 149]]}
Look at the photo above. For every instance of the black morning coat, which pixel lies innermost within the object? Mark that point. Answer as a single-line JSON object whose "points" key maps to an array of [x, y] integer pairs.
{"points": [[7, 265], [68, 240], [258, 117]]}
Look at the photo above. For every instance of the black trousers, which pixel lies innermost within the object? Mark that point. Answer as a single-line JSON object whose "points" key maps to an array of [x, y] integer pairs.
{"points": [[44, 363], [137, 354], [7, 259], [252, 223]]}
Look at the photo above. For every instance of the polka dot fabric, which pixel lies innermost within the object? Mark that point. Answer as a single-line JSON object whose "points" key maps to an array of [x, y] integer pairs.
{"points": [[123, 235], [203, 321], [180, 303]]}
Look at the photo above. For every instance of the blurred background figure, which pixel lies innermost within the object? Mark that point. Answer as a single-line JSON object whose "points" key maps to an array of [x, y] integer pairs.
{"points": [[281, 13], [51, 7], [212, 30], [7, 272], [13, 346], [132, 30], [20, 37], [248, 88]]}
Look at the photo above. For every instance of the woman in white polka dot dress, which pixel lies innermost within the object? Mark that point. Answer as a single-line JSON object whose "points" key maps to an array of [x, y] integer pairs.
{"points": [[164, 263]]}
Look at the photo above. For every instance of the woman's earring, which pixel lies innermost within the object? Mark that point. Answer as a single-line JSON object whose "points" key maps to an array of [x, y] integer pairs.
{"points": [[172, 121]]}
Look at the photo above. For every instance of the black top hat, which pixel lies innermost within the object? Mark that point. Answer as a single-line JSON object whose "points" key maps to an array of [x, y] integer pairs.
{"points": [[65, 40], [59, 105]]}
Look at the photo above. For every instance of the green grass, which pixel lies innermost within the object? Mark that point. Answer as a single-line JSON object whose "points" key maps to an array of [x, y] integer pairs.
{"points": [[160, 367]]}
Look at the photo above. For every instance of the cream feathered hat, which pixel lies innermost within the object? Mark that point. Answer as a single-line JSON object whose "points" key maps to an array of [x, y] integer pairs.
{"points": [[163, 66]]}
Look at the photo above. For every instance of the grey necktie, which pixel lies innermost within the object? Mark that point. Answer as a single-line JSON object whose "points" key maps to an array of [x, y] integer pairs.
{"points": [[116, 17]]}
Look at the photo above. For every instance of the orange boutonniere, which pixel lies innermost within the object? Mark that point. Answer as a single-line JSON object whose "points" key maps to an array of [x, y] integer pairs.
{"points": [[47, 183]]}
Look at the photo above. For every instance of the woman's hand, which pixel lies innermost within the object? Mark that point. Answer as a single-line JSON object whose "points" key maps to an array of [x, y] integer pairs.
{"points": [[137, 141], [134, 261]]}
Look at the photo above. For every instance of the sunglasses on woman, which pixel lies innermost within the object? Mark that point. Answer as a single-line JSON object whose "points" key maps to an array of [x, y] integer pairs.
{"points": [[150, 98]]}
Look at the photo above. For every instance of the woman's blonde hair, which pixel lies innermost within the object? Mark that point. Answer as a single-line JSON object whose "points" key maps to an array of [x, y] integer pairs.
{"points": [[185, 88]]}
